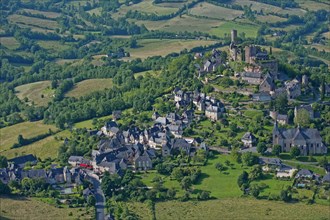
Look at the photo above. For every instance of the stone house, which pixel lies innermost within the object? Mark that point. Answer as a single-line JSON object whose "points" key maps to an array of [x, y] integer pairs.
{"points": [[293, 89], [248, 139], [267, 85], [254, 78], [307, 108], [22, 160]]}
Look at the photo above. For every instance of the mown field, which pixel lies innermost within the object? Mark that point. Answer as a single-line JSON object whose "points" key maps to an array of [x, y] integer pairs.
{"points": [[47, 14], [38, 93], [32, 209], [157, 47], [266, 8], [42, 23], [213, 11], [146, 6], [9, 42], [27, 129], [88, 86], [240, 208], [250, 30], [47, 147]]}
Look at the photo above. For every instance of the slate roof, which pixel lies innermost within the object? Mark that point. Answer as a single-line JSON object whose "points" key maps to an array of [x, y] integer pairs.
{"points": [[248, 136], [304, 172], [270, 161], [326, 178], [300, 133], [33, 174]]}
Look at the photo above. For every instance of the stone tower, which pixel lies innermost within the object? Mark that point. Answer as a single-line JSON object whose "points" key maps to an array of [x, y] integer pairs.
{"points": [[233, 36]]}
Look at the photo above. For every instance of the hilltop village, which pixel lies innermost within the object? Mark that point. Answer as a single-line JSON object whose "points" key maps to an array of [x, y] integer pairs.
{"points": [[254, 114]]}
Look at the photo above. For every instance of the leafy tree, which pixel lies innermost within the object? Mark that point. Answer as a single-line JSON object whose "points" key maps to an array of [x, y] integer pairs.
{"points": [[323, 161], [276, 150], [171, 193], [91, 200], [3, 162], [203, 195], [302, 118], [243, 179], [4, 189], [186, 183], [255, 191], [285, 196], [261, 148], [236, 155], [249, 159], [256, 173], [294, 152]]}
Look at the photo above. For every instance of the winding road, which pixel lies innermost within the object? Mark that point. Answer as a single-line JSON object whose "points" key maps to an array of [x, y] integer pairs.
{"points": [[99, 197]]}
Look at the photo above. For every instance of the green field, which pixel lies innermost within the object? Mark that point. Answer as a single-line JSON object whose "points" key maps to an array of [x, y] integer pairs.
{"points": [[312, 5], [144, 73], [88, 86], [48, 14], [240, 208], [42, 23], [27, 129], [39, 93], [53, 46], [213, 11], [145, 6], [270, 19], [47, 147], [9, 42], [157, 47], [31, 208], [225, 28], [266, 8]]}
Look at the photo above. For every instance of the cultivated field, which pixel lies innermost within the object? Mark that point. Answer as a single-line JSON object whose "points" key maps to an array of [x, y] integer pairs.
{"points": [[88, 86], [225, 28], [213, 11], [145, 6], [313, 5], [47, 14], [9, 42], [32, 209], [185, 23], [38, 22], [157, 47], [266, 8], [240, 208], [53, 46], [27, 129], [47, 147], [39, 93]]}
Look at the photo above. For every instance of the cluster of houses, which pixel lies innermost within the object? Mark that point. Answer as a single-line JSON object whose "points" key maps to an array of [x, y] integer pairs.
{"points": [[303, 177], [55, 175], [135, 148], [210, 64], [212, 107]]}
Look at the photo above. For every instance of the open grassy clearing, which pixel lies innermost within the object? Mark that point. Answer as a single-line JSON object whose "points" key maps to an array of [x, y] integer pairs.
{"points": [[225, 28], [145, 6], [185, 23], [36, 29], [240, 208], [270, 19], [9, 42], [31, 208], [157, 47], [312, 5], [213, 11], [38, 93], [88, 86], [8, 135], [47, 147], [148, 72], [66, 61], [266, 8], [96, 11], [42, 23], [47, 14], [53, 46], [320, 47]]}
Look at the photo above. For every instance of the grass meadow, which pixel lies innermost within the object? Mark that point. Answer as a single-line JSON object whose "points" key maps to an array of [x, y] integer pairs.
{"points": [[38, 93], [88, 86], [42, 23], [213, 11], [27, 129], [9, 42], [31, 208]]}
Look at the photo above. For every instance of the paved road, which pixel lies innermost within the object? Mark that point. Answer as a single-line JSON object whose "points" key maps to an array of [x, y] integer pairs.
{"points": [[99, 196]]}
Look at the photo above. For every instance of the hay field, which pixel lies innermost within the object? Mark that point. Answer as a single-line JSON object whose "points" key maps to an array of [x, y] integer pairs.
{"points": [[39, 93], [88, 86], [213, 11]]}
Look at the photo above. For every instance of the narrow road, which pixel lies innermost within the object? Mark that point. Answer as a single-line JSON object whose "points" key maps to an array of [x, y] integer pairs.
{"points": [[99, 197]]}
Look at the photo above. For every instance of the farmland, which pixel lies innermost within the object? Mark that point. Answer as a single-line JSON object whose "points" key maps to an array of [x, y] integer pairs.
{"points": [[156, 47], [38, 93], [212, 11], [25, 208], [88, 86], [37, 22], [9, 42], [45, 148], [239, 208], [47, 14], [27, 129]]}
